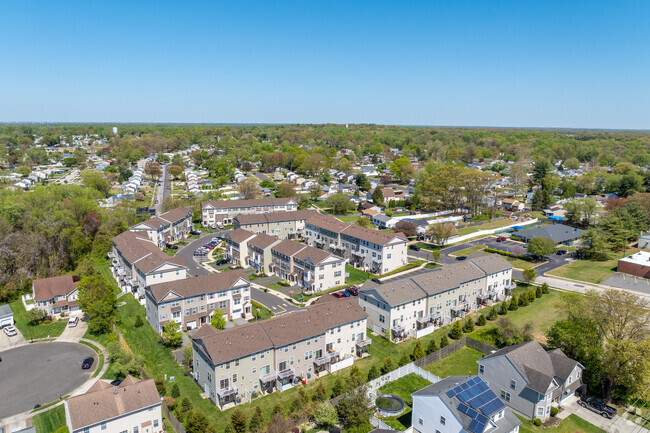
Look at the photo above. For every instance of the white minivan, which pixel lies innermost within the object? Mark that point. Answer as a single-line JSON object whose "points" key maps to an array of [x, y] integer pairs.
{"points": [[72, 322]]}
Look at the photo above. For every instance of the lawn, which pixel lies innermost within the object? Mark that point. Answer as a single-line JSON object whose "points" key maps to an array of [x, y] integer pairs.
{"points": [[590, 271], [460, 363], [487, 226], [348, 219], [50, 421], [468, 251], [357, 276], [53, 329], [426, 246], [406, 267], [403, 388], [521, 264], [571, 424], [432, 265], [265, 313]]}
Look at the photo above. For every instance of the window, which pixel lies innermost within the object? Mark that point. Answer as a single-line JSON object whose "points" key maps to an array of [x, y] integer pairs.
{"points": [[135, 429], [308, 355], [155, 423], [388, 256], [209, 377], [513, 384], [505, 395], [481, 369], [234, 378], [540, 411], [442, 420], [321, 277], [337, 273], [223, 384], [103, 426], [420, 421]]}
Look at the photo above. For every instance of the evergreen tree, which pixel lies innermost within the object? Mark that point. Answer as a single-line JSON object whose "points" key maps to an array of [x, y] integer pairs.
{"points": [[320, 394], [503, 310], [514, 305], [538, 292], [481, 320], [523, 300], [492, 315], [456, 330], [238, 420], [432, 346], [444, 341], [138, 321], [468, 326], [339, 387], [175, 391], [278, 409], [255, 424], [405, 359], [418, 351], [389, 365], [545, 288], [373, 373]]}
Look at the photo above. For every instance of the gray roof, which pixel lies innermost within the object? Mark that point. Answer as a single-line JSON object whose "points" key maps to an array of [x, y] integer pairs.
{"points": [[489, 263], [439, 389], [381, 217], [5, 310], [538, 366], [557, 232]]}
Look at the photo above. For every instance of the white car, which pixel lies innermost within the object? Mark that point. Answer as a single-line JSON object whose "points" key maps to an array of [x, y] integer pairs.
{"points": [[10, 331]]}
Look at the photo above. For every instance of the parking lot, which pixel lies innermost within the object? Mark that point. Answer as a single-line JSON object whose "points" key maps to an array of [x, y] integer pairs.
{"points": [[37, 373]]}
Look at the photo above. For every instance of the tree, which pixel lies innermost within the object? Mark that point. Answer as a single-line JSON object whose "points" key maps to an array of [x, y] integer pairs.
{"points": [[218, 319], [541, 246], [176, 392], [538, 292], [468, 326], [238, 420], [541, 199], [23, 170], [326, 415], [456, 330], [99, 302], [356, 378], [541, 169], [385, 179], [441, 232], [153, 169], [492, 315], [315, 191], [444, 341], [338, 388], [402, 169], [518, 176], [249, 189], [361, 179], [285, 189], [481, 321], [340, 203], [35, 316], [279, 424], [320, 393], [503, 309], [160, 385], [389, 365], [255, 424], [405, 359], [529, 275], [124, 363], [197, 422], [175, 170], [373, 373], [363, 222], [545, 288], [355, 408], [171, 335], [514, 303], [407, 227], [188, 354], [138, 321], [96, 180], [377, 196], [418, 351]]}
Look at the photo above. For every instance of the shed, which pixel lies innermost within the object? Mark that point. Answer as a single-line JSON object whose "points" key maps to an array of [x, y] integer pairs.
{"points": [[6, 316]]}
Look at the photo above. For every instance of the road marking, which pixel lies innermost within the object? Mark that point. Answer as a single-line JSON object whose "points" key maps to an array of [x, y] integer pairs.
{"points": [[280, 306]]}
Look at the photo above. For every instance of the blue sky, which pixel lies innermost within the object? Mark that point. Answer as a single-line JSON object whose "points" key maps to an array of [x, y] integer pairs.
{"points": [[583, 64]]}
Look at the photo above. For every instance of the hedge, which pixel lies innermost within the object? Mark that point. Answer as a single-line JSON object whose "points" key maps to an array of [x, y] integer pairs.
{"points": [[506, 253]]}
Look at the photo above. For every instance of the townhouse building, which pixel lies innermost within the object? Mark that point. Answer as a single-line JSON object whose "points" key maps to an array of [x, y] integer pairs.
{"points": [[372, 250], [416, 305], [530, 379], [223, 211], [171, 226], [237, 246], [284, 225], [132, 406], [275, 354], [259, 252], [55, 295], [191, 302], [137, 262]]}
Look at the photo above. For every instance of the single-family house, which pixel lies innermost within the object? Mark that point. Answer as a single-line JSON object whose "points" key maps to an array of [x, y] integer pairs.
{"points": [[55, 295], [512, 205], [558, 233]]}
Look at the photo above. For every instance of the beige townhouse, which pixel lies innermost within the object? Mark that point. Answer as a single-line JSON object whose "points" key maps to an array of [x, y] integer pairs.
{"points": [[132, 406], [237, 246], [259, 252], [283, 225], [238, 363], [55, 295], [191, 302], [222, 212], [168, 227]]}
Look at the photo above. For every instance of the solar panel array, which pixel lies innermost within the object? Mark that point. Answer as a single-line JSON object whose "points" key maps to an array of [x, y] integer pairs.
{"points": [[477, 401]]}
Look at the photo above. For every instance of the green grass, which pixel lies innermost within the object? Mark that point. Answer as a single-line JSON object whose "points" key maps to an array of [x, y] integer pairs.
{"points": [[406, 267], [432, 265], [170, 252], [520, 264], [468, 251], [426, 246], [487, 226], [53, 329], [50, 421], [590, 271], [45, 406], [349, 219], [265, 313], [460, 363], [571, 424], [357, 276], [403, 388]]}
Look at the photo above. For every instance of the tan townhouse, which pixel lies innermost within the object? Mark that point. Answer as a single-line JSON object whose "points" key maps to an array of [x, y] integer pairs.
{"points": [[55, 295], [259, 252], [171, 226], [237, 246], [283, 225], [238, 363], [191, 302], [132, 406], [222, 212]]}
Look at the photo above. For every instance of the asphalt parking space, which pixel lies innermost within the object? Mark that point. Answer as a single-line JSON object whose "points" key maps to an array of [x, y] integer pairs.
{"points": [[7, 342], [37, 373]]}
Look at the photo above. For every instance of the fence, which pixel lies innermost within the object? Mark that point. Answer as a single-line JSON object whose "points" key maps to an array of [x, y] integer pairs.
{"points": [[172, 419], [492, 231], [376, 422], [484, 348]]}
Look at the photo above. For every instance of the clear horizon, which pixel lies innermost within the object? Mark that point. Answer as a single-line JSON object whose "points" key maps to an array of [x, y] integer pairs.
{"points": [[507, 64]]}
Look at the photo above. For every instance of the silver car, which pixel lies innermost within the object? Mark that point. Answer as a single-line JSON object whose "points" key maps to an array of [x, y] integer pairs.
{"points": [[10, 331]]}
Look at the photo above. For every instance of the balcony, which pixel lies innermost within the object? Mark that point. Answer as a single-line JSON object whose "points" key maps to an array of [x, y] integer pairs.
{"points": [[284, 374], [268, 378], [223, 393]]}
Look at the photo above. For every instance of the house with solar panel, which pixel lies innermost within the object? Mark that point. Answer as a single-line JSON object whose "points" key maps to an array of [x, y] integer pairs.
{"points": [[461, 404], [531, 379]]}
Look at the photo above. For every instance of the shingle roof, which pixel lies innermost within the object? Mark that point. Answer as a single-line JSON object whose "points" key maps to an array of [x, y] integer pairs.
{"points": [[262, 240], [314, 255], [169, 217], [47, 288], [557, 232], [489, 263], [200, 285], [264, 218], [240, 341], [377, 237], [96, 406], [239, 235], [5, 310], [227, 204], [288, 247], [142, 252]]}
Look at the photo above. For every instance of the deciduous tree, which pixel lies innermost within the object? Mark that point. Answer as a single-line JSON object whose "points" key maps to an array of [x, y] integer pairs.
{"points": [[98, 301]]}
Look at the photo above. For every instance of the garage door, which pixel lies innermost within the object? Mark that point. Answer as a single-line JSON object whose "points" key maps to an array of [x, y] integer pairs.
{"points": [[6, 321]]}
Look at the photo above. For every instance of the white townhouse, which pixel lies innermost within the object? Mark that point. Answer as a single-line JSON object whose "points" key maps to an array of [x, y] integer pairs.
{"points": [[372, 250], [223, 211], [132, 406], [191, 302], [169, 227], [237, 246], [259, 252], [55, 295]]}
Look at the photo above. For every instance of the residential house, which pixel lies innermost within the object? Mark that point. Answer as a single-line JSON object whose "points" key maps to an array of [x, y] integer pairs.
{"points": [[171, 226], [461, 404], [191, 302], [259, 252], [237, 246], [558, 233], [6, 316], [55, 295], [132, 406], [373, 250], [644, 242], [512, 205], [384, 222], [223, 212], [277, 353], [280, 224], [529, 378], [416, 305]]}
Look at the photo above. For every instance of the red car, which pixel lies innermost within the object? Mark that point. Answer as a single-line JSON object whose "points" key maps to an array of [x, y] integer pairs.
{"points": [[338, 295], [501, 239]]}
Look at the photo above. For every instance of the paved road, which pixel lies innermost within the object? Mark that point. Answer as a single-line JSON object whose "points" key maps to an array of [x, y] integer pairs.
{"points": [[38, 373], [260, 176], [161, 188]]}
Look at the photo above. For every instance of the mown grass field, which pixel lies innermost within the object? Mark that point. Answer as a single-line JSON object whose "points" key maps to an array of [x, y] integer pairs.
{"points": [[571, 424], [53, 329], [460, 363], [50, 421], [591, 271], [403, 388]]}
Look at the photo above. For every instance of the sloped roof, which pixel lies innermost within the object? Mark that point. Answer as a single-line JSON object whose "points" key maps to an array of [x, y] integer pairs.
{"points": [[228, 204], [314, 255], [489, 263], [169, 217], [288, 247], [262, 240], [195, 286], [239, 235], [557, 232], [263, 218], [47, 288]]}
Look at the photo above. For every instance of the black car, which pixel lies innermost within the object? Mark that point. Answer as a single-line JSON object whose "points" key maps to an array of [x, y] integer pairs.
{"points": [[221, 262], [414, 248], [88, 362], [116, 382], [353, 291], [461, 258], [195, 232], [171, 247], [598, 406], [376, 280], [561, 252]]}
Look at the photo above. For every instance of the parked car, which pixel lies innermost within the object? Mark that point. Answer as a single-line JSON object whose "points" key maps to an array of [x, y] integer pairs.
{"points": [[195, 232], [501, 239], [87, 363], [461, 258], [561, 252], [376, 280], [37, 406], [353, 291], [338, 295], [598, 406], [116, 382], [72, 322], [414, 248], [221, 262], [200, 252], [171, 246], [10, 331]]}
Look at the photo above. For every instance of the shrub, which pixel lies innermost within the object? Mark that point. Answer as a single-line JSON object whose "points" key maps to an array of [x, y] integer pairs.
{"points": [[373, 373], [176, 392], [538, 292], [432, 346], [523, 300], [481, 321], [492, 315], [456, 330], [418, 351], [503, 310], [507, 254], [545, 288], [513, 304], [554, 411], [160, 385], [138, 321], [468, 326], [405, 359], [444, 341], [537, 422], [389, 365]]}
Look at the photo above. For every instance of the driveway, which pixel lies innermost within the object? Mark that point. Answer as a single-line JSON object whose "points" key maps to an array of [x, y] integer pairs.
{"points": [[38, 373], [616, 425], [187, 253], [274, 303], [76, 332], [7, 342]]}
